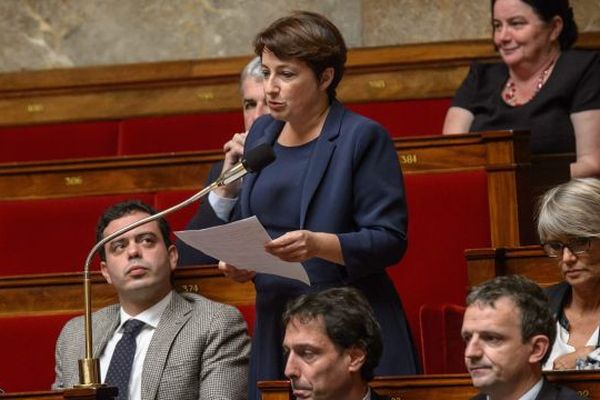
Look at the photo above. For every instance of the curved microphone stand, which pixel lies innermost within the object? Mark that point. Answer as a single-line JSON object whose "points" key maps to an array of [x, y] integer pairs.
{"points": [[89, 367]]}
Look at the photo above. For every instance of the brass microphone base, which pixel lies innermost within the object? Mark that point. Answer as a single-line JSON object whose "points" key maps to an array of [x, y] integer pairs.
{"points": [[89, 373]]}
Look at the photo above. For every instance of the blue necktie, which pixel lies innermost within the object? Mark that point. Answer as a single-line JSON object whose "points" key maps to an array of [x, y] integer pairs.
{"points": [[119, 369]]}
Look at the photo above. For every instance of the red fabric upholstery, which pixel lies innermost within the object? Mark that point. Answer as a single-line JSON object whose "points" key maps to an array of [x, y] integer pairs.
{"points": [[58, 141], [175, 133], [27, 348], [454, 348], [441, 341], [407, 117], [52, 235], [431, 325], [249, 313], [448, 213], [179, 219]]}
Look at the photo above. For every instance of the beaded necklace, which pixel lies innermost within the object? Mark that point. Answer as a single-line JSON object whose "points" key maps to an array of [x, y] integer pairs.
{"points": [[511, 89]]}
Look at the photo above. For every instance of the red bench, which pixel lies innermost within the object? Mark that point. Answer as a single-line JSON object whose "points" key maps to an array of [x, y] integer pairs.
{"points": [[28, 344], [59, 141], [448, 213], [186, 132], [175, 133], [51, 235], [406, 117]]}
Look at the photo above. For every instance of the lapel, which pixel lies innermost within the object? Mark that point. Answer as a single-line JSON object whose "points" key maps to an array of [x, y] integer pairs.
{"points": [[317, 166], [104, 324], [320, 158], [172, 320]]}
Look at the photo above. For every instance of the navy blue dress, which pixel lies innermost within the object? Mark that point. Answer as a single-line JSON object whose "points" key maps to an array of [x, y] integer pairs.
{"points": [[347, 182], [275, 200]]}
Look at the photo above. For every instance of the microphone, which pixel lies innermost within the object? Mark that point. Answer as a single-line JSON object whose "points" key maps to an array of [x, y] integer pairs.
{"points": [[254, 160]]}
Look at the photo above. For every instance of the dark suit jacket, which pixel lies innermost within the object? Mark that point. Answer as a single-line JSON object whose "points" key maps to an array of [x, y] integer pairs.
{"points": [[199, 350], [375, 396], [353, 187], [549, 392]]}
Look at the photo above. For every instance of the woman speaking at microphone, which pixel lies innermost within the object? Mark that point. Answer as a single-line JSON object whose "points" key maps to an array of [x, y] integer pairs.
{"points": [[332, 200]]}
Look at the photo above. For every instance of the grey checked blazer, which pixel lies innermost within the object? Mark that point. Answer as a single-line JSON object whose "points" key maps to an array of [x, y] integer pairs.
{"points": [[199, 350]]}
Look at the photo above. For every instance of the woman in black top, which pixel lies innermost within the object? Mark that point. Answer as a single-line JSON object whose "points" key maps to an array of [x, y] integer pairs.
{"points": [[541, 85]]}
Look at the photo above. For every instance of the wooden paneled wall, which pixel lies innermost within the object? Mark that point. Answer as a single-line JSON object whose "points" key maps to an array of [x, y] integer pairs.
{"points": [[94, 93], [443, 387]]}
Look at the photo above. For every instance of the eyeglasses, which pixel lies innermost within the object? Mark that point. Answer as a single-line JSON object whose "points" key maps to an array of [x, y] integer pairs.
{"points": [[578, 245]]}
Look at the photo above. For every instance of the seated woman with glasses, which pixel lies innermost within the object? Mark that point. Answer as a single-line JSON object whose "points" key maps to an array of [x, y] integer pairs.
{"points": [[569, 228]]}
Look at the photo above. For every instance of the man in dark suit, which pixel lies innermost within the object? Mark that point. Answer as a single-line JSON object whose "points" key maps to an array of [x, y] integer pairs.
{"points": [[184, 346], [332, 343], [508, 330]]}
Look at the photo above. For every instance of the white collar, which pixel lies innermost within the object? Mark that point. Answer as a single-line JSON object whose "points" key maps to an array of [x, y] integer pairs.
{"points": [[368, 395], [532, 393], [151, 316]]}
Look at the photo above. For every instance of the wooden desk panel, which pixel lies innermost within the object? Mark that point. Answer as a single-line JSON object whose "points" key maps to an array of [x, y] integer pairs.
{"points": [[443, 387], [52, 293], [110, 175], [414, 71], [49, 395], [504, 155], [530, 261], [103, 393]]}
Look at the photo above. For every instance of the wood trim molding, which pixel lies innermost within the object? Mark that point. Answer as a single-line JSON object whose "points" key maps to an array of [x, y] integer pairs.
{"points": [[63, 293], [443, 387], [184, 171], [530, 261], [414, 71], [502, 154]]}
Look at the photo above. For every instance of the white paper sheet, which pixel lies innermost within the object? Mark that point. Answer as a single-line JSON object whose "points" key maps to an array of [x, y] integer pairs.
{"points": [[241, 244]]}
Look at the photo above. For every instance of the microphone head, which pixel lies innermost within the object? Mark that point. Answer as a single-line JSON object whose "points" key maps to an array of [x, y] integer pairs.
{"points": [[258, 157]]}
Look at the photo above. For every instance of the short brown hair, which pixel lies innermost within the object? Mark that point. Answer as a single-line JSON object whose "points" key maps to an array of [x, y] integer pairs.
{"points": [[309, 37], [348, 319]]}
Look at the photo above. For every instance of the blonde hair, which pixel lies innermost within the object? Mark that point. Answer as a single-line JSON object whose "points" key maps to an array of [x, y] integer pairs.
{"points": [[570, 209]]}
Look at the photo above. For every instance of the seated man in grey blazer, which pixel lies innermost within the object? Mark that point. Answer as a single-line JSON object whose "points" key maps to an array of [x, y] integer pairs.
{"points": [[156, 343], [333, 343], [508, 330]]}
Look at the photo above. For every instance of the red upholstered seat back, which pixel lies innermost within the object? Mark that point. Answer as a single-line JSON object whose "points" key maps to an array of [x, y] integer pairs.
{"points": [[58, 141], [179, 219], [455, 346], [187, 132], [441, 341], [406, 117], [175, 133], [249, 313], [51, 235], [431, 326], [448, 213], [27, 346]]}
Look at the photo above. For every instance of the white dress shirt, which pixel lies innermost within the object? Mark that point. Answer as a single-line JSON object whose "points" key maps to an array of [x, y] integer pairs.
{"points": [[151, 317], [561, 345], [222, 206], [532, 393]]}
